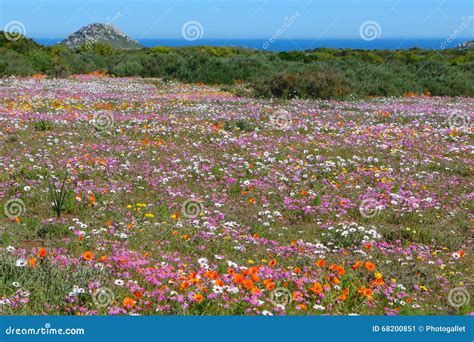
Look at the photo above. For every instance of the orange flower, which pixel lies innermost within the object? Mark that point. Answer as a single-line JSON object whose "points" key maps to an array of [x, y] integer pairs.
{"points": [[87, 256], [248, 284], [184, 285], [320, 262], [253, 270], [335, 280], [303, 193], [272, 262], [138, 294], [297, 295], [317, 288], [252, 200], [211, 275], [270, 286], [33, 262], [370, 266], [342, 297], [379, 282], [339, 269], [198, 297], [256, 290], [175, 216], [356, 265], [238, 278], [128, 302], [297, 270], [42, 253], [92, 198], [103, 258], [255, 277], [364, 291]]}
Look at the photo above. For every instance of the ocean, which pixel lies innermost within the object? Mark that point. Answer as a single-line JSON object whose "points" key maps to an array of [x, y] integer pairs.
{"points": [[299, 44]]}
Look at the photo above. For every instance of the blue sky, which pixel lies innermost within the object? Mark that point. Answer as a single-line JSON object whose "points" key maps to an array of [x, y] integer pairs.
{"points": [[316, 19]]}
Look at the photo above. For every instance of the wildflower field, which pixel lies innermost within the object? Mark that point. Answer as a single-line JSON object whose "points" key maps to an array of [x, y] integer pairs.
{"points": [[141, 197]]}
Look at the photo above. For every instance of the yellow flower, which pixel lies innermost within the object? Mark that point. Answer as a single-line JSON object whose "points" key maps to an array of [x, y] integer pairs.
{"points": [[378, 275], [250, 261], [129, 206], [424, 288], [149, 215]]}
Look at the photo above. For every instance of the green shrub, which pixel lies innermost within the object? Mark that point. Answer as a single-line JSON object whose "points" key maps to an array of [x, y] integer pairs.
{"points": [[320, 73]]}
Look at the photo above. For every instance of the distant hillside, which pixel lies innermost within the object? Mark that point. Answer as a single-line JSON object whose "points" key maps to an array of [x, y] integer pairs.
{"points": [[101, 33], [320, 73], [466, 45]]}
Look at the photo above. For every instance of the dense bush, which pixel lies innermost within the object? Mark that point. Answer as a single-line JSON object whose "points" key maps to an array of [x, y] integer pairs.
{"points": [[319, 73]]}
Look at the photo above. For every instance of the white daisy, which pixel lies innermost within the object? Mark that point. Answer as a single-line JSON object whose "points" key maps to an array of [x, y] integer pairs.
{"points": [[21, 263], [203, 261], [119, 282]]}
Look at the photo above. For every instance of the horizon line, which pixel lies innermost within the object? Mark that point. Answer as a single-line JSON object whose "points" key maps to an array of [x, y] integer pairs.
{"points": [[266, 38]]}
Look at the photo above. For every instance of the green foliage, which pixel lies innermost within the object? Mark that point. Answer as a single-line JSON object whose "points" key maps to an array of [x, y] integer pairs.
{"points": [[314, 83], [44, 125], [243, 125], [58, 195], [319, 73]]}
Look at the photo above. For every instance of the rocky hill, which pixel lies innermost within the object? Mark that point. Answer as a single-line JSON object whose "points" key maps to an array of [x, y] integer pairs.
{"points": [[466, 45], [101, 33]]}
